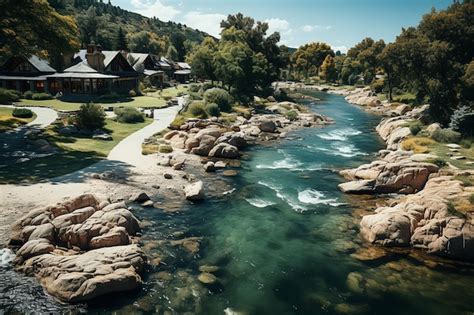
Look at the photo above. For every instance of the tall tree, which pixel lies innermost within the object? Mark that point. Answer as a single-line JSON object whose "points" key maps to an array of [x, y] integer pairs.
{"points": [[309, 57], [172, 53], [177, 40], [34, 27], [146, 42], [202, 59], [328, 69], [121, 41]]}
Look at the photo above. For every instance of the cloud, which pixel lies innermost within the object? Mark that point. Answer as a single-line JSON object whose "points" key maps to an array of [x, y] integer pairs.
{"points": [[343, 49], [310, 28], [155, 8], [281, 26], [207, 22]]}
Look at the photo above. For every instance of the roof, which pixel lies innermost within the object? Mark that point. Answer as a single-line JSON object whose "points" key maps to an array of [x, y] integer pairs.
{"points": [[23, 78], [40, 64], [152, 72], [81, 67], [183, 65], [79, 75], [109, 56], [182, 72], [139, 57]]}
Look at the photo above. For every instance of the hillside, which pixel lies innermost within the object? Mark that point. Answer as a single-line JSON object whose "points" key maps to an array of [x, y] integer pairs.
{"points": [[101, 22]]}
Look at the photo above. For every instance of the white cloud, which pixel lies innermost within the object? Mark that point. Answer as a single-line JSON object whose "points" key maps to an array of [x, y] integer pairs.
{"points": [[343, 49], [207, 22], [155, 8], [310, 28], [282, 27]]}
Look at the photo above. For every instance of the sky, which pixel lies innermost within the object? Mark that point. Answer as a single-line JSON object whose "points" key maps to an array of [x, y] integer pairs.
{"points": [[340, 23]]}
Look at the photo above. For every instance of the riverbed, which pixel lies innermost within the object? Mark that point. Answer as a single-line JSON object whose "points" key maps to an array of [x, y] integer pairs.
{"points": [[282, 237]]}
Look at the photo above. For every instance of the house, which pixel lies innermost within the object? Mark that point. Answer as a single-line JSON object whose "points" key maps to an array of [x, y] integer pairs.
{"points": [[148, 66], [26, 74], [182, 72]]}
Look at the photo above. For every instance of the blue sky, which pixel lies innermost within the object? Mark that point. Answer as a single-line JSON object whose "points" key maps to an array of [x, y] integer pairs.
{"points": [[340, 23]]}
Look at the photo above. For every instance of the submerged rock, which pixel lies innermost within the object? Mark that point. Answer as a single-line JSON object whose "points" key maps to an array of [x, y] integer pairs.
{"points": [[194, 191]]}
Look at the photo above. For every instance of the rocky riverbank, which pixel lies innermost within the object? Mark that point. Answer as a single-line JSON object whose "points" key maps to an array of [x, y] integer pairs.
{"points": [[423, 214]]}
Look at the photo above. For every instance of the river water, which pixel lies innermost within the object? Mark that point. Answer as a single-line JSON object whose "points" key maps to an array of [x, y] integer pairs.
{"points": [[283, 237]]}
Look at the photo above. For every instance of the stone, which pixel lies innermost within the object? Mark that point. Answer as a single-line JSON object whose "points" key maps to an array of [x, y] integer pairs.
{"points": [[237, 139], [224, 150], [432, 128], [209, 167], [208, 268], [194, 191], [139, 197], [33, 248], [458, 157], [207, 278], [115, 237], [206, 144], [453, 146], [267, 126], [230, 173], [179, 165], [167, 176], [220, 164], [147, 204], [178, 140]]}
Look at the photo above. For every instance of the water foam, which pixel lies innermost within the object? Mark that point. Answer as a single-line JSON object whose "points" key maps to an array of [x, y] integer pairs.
{"points": [[278, 191], [6, 257], [314, 197], [259, 203], [339, 134], [286, 163]]}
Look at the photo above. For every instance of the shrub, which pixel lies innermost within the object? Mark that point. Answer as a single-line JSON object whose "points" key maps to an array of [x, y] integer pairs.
{"points": [[8, 96], [291, 115], [446, 136], [466, 143], [462, 121], [90, 117], [194, 88], [132, 93], [41, 96], [195, 96], [129, 115], [219, 96], [197, 110], [417, 144], [212, 109], [377, 86], [471, 199], [165, 148], [22, 112], [415, 127], [28, 95], [206, 86]]}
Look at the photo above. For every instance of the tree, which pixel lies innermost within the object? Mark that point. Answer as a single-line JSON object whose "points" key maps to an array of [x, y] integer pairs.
{"points": [[328, 69], [366, 53], [146, 42], [34, 27], [177, 40], [201, 60], [390, 61], [309, 57], [172, 53], [121, 41]]}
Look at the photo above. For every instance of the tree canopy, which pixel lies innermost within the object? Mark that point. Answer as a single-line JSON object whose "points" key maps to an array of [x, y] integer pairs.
{"points": [[34, 27]]}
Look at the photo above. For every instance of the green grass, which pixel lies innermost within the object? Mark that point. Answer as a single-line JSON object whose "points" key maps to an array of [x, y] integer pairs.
{"points": [[441, 150], [8, 122], [75, 153], [155, 99]]}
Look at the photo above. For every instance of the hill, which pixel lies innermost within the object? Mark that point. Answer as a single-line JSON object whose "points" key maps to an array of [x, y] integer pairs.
{"points": [[102, 22]]}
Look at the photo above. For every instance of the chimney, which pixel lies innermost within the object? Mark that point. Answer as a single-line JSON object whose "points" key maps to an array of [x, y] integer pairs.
{"points": [[95, 57]]}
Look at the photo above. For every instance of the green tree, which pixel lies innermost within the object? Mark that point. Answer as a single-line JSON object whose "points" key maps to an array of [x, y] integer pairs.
{"points": [[172, 53], [34, 27], [366, 53], [121, 41], [328, 69], [309, 57], [146, 42], [201, 60]]}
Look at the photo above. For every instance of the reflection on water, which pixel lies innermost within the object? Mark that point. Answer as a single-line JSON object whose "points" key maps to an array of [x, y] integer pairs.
{"points": [[283, 240]]}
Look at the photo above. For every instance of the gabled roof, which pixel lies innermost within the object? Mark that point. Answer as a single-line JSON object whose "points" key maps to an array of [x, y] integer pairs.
{"points": [[139, 57], [81, 67], [184, 65], [41, 64]]}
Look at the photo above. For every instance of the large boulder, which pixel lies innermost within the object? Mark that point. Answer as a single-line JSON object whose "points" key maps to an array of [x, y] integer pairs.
{"points": [[224, 150], [267, 126], [206, 144], [178, 140], [237, 139], [194, 191]]}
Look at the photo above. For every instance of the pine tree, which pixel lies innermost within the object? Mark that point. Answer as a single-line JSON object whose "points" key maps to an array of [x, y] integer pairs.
{"points": [[121, 43]]}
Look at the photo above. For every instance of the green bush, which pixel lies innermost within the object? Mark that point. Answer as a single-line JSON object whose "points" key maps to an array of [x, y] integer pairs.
{"points": [[291, 115], [28, 95], [197, 110], [165, 148], [466, 143], [219, 96], [377, 86], [90, 117], [194, 88], [129, 115], [195, 96], [446, 136], [206, 86], [415, 127], [41, 96], [8, 96], [22, 112], [212, 109], [132, 93], [471, 199]]}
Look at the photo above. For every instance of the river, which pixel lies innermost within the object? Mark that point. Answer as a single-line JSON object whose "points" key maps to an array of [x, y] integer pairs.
{"points": [[283, 238]]}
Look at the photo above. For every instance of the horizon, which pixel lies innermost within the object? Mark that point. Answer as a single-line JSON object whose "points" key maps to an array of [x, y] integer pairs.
{"points": [[340, 23]]}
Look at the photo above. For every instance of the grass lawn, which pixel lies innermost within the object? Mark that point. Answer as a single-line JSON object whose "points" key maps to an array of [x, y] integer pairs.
{"points": [[8, 122], [441, 150], [76, 153], [155, 99]]}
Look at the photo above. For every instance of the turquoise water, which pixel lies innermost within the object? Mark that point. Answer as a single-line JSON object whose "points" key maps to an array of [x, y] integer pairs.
{"points": [[282, 238]]}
